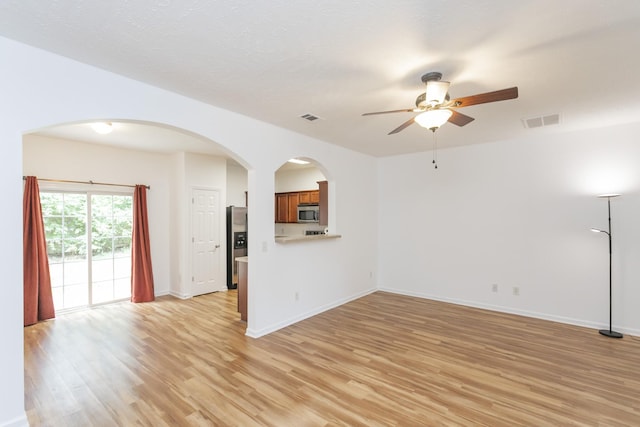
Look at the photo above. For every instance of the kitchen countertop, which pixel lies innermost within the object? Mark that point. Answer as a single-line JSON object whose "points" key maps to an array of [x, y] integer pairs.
{"points": [[303, 238], [242, 259]]}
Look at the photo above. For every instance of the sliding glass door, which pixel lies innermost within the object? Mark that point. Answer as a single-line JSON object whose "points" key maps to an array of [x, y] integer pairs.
{"points": [[65, 223], [111, 223], [89, 247]]}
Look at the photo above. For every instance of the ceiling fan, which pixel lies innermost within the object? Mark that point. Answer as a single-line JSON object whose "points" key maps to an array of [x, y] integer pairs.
{"points": [[436, 108]]}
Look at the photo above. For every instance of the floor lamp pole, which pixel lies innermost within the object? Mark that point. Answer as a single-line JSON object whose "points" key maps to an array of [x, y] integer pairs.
{"points": [[610, 332]]}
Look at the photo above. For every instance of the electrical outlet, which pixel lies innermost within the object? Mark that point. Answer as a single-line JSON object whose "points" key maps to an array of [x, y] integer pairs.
{"points": [[516, 291], [494, 287], [371, 275], [264, 246], [297, 296]]}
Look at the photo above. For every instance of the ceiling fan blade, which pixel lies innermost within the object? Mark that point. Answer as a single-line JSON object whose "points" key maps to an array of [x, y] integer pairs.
{"points": [[406, 110], [483, 98], [402, 126], [459, 118]]}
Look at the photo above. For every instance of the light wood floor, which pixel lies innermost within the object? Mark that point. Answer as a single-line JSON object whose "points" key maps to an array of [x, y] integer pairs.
{"points": [[382, 360]]}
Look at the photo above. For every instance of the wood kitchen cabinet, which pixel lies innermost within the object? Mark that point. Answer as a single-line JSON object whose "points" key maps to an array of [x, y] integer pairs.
{"points": [[286, 204], [323, 202], [287, 207], [309, 197], [243, 269], [282, 207], [293, 199]]}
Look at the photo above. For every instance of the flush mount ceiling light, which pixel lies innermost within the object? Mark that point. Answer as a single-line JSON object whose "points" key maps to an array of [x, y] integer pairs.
{"points": [[102, 128], [298, 161], [433, 119]]}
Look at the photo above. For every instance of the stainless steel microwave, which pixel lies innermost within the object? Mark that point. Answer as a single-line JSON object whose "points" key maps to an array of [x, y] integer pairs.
{"points": [[308, 213]]}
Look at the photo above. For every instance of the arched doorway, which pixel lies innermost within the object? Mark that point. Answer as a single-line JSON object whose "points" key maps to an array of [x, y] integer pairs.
{"points": [[175, 163]]}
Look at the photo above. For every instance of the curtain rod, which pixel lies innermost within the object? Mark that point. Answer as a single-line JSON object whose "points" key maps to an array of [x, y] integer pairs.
{"points": [[87, 182]]}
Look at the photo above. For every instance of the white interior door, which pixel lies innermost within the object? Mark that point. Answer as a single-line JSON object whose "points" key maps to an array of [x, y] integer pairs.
{"points": [[206, 252]]}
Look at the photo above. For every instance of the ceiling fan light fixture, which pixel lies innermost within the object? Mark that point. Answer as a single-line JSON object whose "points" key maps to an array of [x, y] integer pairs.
{"points": [[436, 92], [433, 119], [437, 107]]}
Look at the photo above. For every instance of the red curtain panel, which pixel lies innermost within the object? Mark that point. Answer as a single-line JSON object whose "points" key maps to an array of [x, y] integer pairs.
{"points": [[141, 272], [38, 299]]}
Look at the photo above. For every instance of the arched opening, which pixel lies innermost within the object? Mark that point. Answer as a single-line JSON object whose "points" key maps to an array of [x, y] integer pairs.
{"points": [[301, 199], [179, 166]]}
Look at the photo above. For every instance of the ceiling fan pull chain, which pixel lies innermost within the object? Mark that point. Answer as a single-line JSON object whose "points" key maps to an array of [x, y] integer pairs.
{"points": [[435, 150]]}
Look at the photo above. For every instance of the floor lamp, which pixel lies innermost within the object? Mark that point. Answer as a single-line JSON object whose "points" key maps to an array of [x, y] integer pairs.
{"points": [[608, 332]]}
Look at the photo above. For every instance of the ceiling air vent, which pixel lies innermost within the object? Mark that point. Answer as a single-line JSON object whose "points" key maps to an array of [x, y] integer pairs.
{"points": [[309, 116], [539, 121]]}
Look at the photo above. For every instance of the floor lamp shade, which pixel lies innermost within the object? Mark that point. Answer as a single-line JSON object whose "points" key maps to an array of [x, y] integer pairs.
{"points": [[609, 332]]}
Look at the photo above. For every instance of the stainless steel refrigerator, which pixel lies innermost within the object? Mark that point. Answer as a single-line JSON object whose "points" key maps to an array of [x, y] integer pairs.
{"points": [[236, 242]]}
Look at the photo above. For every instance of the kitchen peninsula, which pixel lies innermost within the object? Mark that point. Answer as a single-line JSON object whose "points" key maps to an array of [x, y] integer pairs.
{"points": [[243, 268], [305, 238]]}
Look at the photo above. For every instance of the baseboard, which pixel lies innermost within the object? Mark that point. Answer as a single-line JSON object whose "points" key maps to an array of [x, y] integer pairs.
{"points": [[16, 422], [257, 333], [177, 295], [510, 310]]}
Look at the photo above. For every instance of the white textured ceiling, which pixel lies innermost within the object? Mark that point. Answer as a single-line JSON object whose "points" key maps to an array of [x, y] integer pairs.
{"points": [[276, 60]]}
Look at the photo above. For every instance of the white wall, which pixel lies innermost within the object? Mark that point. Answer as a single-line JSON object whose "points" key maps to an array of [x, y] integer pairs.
{"points": [[237, 185], [178, 219], [208, 173], [40, 89], [298, 179], [518, 213]]}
